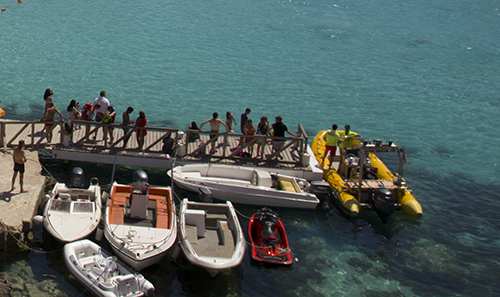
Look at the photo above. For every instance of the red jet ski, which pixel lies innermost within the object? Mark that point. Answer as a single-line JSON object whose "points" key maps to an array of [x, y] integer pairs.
{"points": [[268, 237]]}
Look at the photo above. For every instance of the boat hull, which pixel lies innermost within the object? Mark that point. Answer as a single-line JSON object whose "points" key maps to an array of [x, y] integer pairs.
{"points": [[347, 199], [210, 235], [262, 251], [136, 243], [101, 273], [238, 190], [71, 214]]}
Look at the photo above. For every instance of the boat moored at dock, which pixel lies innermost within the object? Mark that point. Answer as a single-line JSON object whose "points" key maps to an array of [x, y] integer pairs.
{"points": [[73, 213], [140, 222], [102, 273], [359, 179], [246, 185], [210, 235]]}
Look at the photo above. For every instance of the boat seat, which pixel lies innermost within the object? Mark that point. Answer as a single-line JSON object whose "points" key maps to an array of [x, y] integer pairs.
{"points": [[287, 186], [64, 196], [161, 213], [191, 174], [196, 217], [139, 206]]}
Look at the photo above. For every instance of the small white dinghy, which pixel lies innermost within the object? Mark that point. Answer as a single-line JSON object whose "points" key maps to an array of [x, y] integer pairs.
{"points": [[140, 222], [246, 185], [73, 213], [102, 273], [211, 235]]}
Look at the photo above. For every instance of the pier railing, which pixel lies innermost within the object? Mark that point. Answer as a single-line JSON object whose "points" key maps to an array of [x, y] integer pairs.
{"points": [[192, 144]]}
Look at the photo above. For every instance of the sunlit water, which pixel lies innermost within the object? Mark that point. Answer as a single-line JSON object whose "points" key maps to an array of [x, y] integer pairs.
{"points": [[424, 74]]}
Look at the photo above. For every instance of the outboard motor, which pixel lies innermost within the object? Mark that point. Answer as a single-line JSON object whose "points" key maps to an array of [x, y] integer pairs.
{"points": [[77, 178], [383, 201], [140, 182], [320, 188], [205, 194]]}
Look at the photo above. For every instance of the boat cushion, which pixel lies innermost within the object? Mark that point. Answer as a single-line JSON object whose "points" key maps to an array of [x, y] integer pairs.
{"points": [[65, 196], [286, 185]]}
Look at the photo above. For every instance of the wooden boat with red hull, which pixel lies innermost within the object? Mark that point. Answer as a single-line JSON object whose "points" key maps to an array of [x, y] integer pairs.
{"points": [[268, 237]]}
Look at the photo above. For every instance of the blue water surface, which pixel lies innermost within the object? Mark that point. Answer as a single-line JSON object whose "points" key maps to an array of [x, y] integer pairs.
{"points": [[424, 74]]}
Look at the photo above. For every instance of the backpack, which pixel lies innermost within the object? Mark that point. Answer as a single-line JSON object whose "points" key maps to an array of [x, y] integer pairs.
{"points": [[106, 118], [85, 111]]}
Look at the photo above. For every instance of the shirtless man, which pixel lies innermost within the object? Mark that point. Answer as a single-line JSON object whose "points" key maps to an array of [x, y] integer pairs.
{"points": [[214, 127], [50, 116], [19, 157]]}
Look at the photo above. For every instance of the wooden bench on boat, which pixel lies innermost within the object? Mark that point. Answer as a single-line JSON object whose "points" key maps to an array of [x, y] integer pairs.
{"points": [[371, 184]]}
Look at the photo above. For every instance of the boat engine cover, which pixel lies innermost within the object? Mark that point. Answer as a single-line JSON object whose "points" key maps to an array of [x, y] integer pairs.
{"points": [[77, 177], [140, 180], [383, 201]]}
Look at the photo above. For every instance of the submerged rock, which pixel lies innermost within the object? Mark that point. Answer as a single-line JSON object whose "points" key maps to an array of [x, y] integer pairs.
{"points": [[5, 286]]}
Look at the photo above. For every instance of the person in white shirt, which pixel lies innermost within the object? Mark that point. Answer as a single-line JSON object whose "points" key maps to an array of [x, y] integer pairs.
{"points": [[99, 113]]}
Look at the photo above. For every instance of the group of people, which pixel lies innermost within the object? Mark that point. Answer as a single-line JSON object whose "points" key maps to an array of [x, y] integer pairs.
{"points": [[333, 139], [278, 129], [100, 111]]}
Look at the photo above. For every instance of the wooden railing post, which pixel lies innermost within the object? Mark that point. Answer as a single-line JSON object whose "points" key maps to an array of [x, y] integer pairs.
{"points": [[2, 135]]}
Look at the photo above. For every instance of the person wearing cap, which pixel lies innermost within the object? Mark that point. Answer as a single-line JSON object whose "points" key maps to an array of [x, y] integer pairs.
{"points": [[109, 119]]}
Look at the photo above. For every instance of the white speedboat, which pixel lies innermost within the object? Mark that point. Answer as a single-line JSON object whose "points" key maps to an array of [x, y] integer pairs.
{"points": [[102, 273], [211, 235], [140, 222], [246, 185], [73, 213]]}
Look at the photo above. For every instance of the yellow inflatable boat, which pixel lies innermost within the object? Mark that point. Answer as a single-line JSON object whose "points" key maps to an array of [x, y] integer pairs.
{"points": [[359, 179]]}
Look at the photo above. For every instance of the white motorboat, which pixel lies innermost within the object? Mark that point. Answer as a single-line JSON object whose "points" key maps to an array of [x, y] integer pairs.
{"points": [[73, 213], [102, 273], [140, 222], [211, 235], [246, 185]]}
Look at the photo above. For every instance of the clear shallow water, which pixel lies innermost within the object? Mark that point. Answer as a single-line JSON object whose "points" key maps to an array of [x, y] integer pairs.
{"points": [[422, 73]]}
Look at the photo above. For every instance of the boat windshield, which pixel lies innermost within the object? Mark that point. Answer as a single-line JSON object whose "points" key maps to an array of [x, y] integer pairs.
{"points": [[78, 206], [61, 205], [83, 206]]}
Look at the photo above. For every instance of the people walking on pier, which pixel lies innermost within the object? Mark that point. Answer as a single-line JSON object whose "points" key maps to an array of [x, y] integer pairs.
{"points": [[244, 118], [73, 113], [229, 121], [249, 130], [50, 116], [262, 129], [47, 97], [332, 138], [87, 115], [109, 119], [99, 112], [279, 129], [215, 123], [141, 132], [19, 156], [193, 136], [126, 122]]}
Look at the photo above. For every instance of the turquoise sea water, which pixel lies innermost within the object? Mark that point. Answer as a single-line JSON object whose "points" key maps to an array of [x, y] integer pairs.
{"points": [[424, 74]]}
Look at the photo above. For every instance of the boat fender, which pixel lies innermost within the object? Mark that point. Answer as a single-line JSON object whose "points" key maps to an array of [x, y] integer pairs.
{"points": [[99, 232], [38, 220], [148, 289]]}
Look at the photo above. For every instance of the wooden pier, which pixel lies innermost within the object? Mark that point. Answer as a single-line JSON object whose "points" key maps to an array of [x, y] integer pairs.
{"points": [[86, 143]]}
